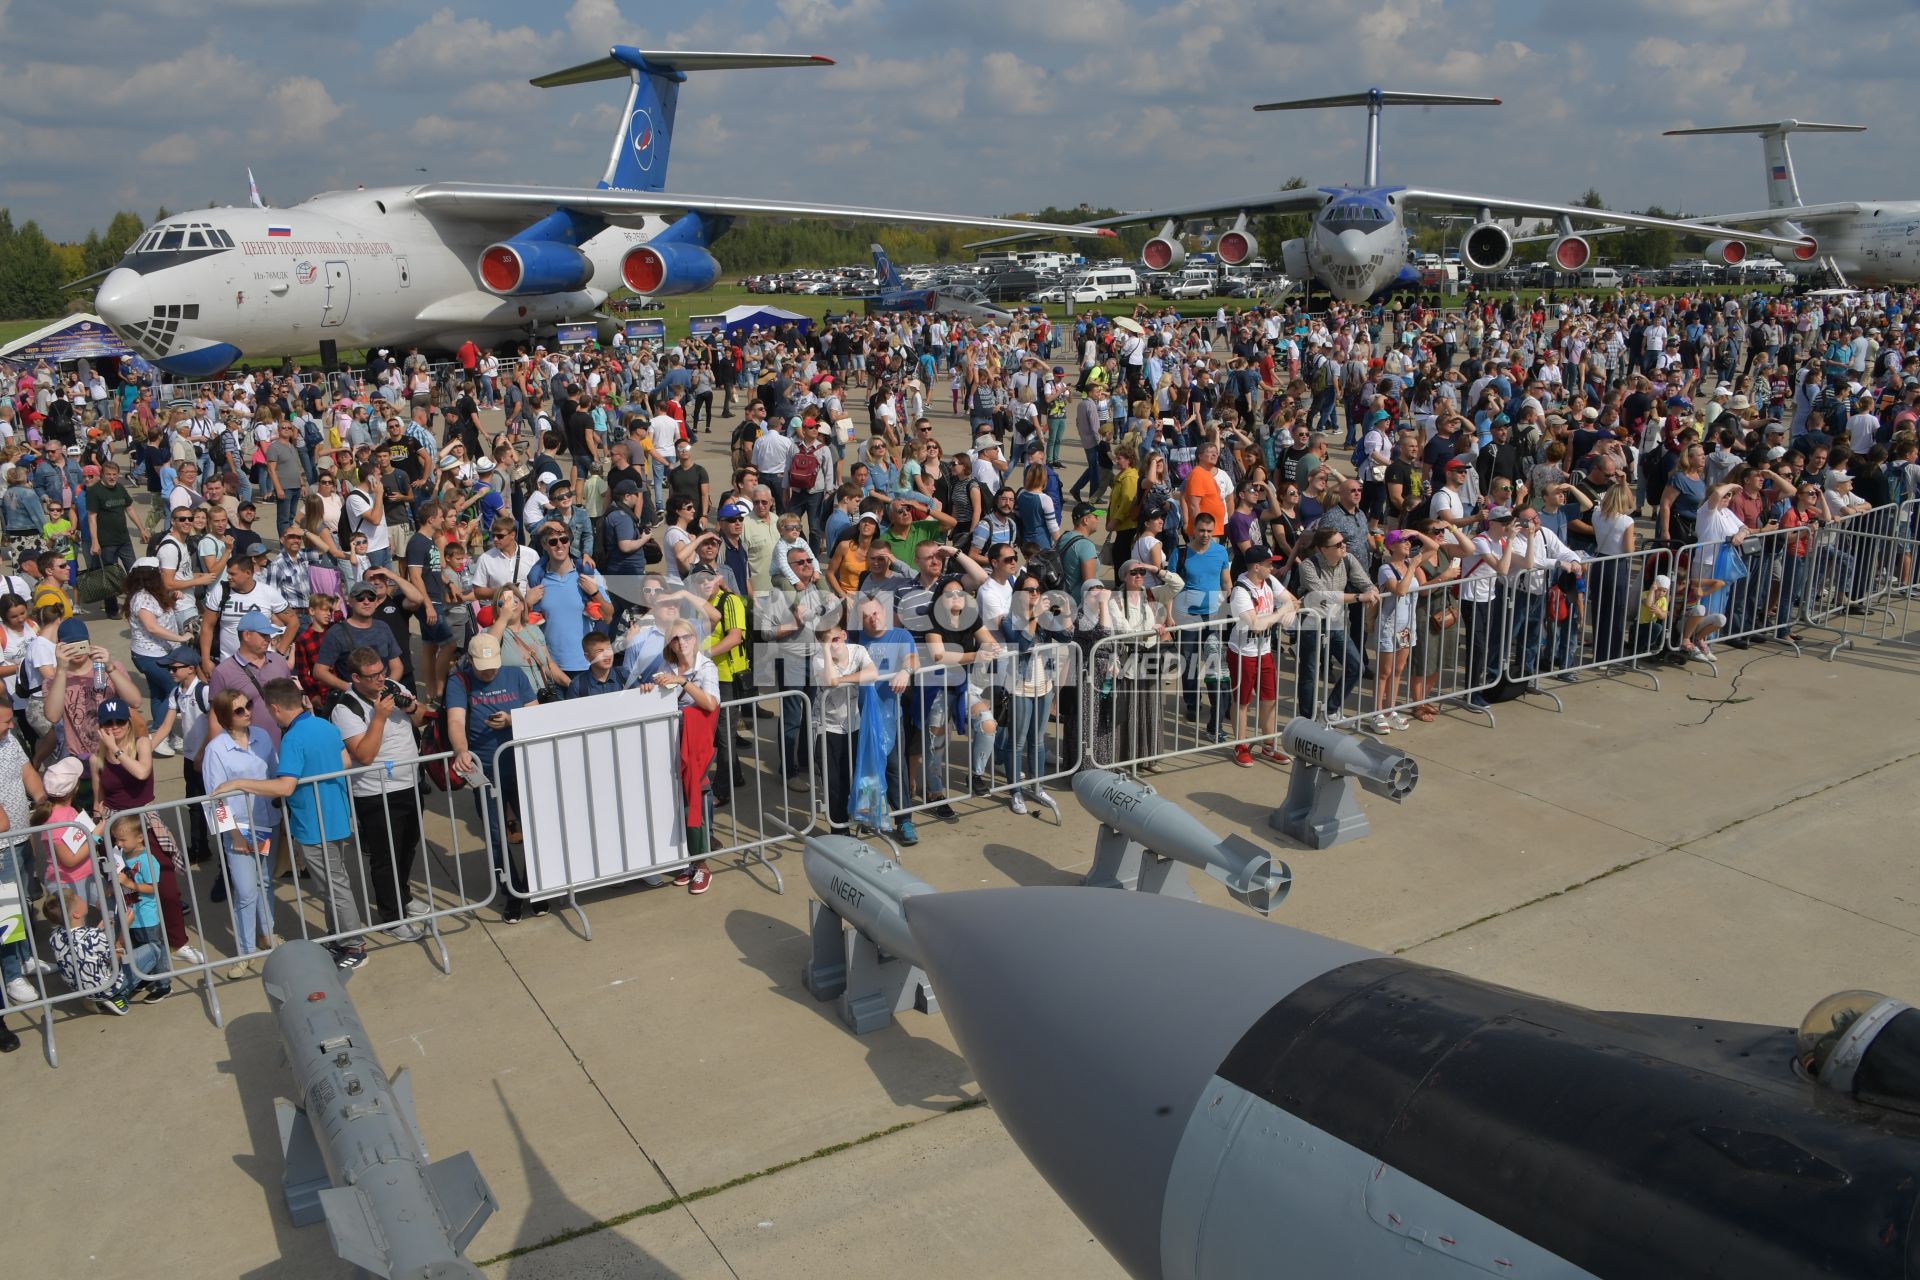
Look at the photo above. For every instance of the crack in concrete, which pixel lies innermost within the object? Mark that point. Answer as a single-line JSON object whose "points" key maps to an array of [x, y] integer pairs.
{"points": [[1733, 692]]}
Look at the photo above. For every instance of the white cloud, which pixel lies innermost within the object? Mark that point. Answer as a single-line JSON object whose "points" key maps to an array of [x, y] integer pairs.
{"points": [[302, 111], [447, 43], [810, 17], [1015, 86]]}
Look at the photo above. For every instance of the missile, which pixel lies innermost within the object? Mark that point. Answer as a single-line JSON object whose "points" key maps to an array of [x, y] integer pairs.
{"points": [[1320, 809], [1259, 1100], [1133, 817], [863, 953], [354, 1152]]}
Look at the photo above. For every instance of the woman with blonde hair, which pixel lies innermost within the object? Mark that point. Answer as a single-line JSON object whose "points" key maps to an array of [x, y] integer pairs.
{"points": [[693, 677], [244, 823]]}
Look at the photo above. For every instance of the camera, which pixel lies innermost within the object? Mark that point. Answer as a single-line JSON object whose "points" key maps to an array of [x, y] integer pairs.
{"points": [[401, 698]]}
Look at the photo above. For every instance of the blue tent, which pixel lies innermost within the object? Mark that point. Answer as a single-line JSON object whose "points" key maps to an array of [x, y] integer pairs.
{"points": [[742, 321]]}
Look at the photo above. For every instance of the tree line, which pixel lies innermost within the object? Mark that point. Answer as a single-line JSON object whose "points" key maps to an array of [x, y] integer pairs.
{"points": [[34, 270]]}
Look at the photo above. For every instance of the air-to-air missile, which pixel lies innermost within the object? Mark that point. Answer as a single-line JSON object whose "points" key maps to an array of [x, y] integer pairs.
{"points": [[354, 1152], [1254, 1100], [1145, 840]]}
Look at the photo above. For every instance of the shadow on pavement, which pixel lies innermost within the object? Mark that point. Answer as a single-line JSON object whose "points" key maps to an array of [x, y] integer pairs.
{"points": [[914, 1070]]}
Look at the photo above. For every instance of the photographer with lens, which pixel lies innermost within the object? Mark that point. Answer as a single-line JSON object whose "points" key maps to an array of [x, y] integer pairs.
{"points": [[376, 716]]}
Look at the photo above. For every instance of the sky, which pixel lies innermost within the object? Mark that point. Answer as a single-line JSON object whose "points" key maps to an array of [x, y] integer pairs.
{"points": [[978, 106]]}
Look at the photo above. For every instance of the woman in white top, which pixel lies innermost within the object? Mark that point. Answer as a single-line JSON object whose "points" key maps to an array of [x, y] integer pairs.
{"points": [[1400, 573], [693, 676], [1139, 626], [153, 631], [1147, 550], [841, 668], [16, 632], [1716, 564], [244, 824]]}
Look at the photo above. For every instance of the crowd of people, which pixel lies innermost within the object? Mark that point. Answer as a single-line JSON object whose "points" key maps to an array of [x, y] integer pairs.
{"points": [[1246, 484]]}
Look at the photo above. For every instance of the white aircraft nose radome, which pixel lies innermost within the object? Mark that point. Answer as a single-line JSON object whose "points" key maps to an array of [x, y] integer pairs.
{"points": [[123, 299], [1350, 248]]}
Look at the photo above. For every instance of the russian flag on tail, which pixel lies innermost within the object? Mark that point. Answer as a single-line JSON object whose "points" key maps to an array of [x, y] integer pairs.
{"points": [[279, 231], [1780, 172]]}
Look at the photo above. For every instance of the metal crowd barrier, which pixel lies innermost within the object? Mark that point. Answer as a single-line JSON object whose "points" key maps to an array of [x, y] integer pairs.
{"points": [[1443, 664], [755, 795], [26, 936], [1026, 733], [450, 873], [1863, 585], [1149, 699]]}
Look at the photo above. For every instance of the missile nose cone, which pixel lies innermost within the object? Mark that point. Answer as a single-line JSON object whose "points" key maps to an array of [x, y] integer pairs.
{"points": [[1093, 1019]]}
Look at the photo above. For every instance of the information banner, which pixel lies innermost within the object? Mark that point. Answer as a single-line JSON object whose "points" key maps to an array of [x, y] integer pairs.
{"points": [[652, 330], [576, 333], [704, 326]]}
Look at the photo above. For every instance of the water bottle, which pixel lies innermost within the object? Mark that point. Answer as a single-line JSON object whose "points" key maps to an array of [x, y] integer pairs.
{"points": [[99, 674]]}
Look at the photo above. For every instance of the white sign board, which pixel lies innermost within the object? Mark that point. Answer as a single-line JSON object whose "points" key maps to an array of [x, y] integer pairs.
{"points": [[599, 787]]}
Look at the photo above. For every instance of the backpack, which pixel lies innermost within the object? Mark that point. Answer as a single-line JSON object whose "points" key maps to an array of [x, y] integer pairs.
{"points": [[435, 747], [1045, 565], [1068, 580], [343, 534], [802, 471], [217, 450]]}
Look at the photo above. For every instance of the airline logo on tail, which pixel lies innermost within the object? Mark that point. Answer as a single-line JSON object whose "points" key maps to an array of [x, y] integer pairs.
{"points": [[1780, 172], [642, 128]]}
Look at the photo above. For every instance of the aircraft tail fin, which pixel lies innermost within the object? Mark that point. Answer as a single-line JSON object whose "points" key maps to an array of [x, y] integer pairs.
{"points": [[638, 161], [883, 266], [1373, 100], [1783, 187]]}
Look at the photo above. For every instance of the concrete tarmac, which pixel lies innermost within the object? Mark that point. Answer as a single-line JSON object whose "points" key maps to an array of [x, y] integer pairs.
{"points": [[666, 1100]]}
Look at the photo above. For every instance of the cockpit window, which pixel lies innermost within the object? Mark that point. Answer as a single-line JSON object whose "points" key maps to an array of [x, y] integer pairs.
{"points": [[195, 240], [1353, 215], [171, 239], [226, 241]]}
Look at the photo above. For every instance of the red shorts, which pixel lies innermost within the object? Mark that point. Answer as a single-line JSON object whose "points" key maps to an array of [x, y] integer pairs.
{"points": [[1255, 677]]}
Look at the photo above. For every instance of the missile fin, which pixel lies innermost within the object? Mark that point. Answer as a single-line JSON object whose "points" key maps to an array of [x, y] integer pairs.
{"points": [[306, 1172], [464, 1196], [356, 1237]]}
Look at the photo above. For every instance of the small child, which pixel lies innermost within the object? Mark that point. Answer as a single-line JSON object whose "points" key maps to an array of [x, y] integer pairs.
{"points": [[58, 530], [69, 847], [168, 479], [140, 882], [457, 571], [598, 677]]}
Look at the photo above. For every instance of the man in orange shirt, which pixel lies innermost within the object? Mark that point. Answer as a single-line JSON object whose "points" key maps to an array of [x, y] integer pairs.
{"points": [[1200, 495]]}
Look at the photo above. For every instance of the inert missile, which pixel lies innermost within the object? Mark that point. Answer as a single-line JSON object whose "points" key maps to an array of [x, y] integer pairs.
{"points": [[1257, 1100], [873, 964], [1142, 834], [354, 1152], [1321, 809]]}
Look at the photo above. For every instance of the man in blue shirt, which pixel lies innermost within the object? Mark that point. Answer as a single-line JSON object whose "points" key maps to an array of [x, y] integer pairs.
{"points": [[565, 593], [481, 699], [1204, 566], [319, 813]]}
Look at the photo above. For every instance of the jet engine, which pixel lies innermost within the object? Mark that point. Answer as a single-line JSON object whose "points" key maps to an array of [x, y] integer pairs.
{"points": [[514, 267], [665, 270], [1293, 261], [1163, 253], [1487, 247], [1731, 252], [1570, 253], [1238, 246], [1807, 250]]}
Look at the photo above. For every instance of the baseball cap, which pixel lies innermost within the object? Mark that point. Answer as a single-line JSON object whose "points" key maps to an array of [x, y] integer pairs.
{"points": [[1083, 509], [624, 488], [1662, 581], [1255, 554], [363, 590], [181, 656], [254, 620], [1499, 513], [73, 631], [1776, 453], [483, 651], [62, 777], [733, 511], [112, 711], [1456, 464]]}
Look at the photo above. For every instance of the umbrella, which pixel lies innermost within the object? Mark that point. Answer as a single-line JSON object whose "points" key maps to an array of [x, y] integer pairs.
{"points": [[1128, 323]]}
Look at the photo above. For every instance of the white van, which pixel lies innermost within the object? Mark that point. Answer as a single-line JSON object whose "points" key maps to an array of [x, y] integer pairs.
{"points": [[1110, 282], [1599, 278]]}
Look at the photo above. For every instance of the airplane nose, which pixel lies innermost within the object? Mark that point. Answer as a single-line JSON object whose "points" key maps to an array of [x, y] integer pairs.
{"points": [[1350, 248], [1094, 1018], [123, 299]]}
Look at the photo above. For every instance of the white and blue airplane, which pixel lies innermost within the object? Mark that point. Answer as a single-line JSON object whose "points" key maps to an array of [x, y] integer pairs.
{"points": [[894, 294], [1865, 242], [1358, 246], [443, 262]]}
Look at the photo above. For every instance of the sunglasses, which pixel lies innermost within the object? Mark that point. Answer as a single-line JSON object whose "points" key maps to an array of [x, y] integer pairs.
{"points": [[558, 542], [242, 709]]}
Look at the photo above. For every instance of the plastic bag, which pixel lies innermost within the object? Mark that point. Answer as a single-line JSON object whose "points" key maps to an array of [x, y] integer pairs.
{"points": [[879, 724]]}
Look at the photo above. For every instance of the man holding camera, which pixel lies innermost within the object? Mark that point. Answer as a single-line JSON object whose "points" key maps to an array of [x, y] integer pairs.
{"points": [[376, 717]]}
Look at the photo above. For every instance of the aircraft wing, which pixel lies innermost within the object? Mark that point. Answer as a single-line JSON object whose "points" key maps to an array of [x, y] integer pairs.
{"points": [[1787, 213], [1418, 196], [483, 202], [1271, 202]]}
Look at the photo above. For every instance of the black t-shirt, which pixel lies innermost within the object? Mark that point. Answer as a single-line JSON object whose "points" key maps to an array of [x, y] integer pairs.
{"points": [[423, 555], [341, 639], [685, 482], [394, 616], [1290, 462], [579, 427], [1438, 452], [1635, 408], [1407, 476], [616, 474]]}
